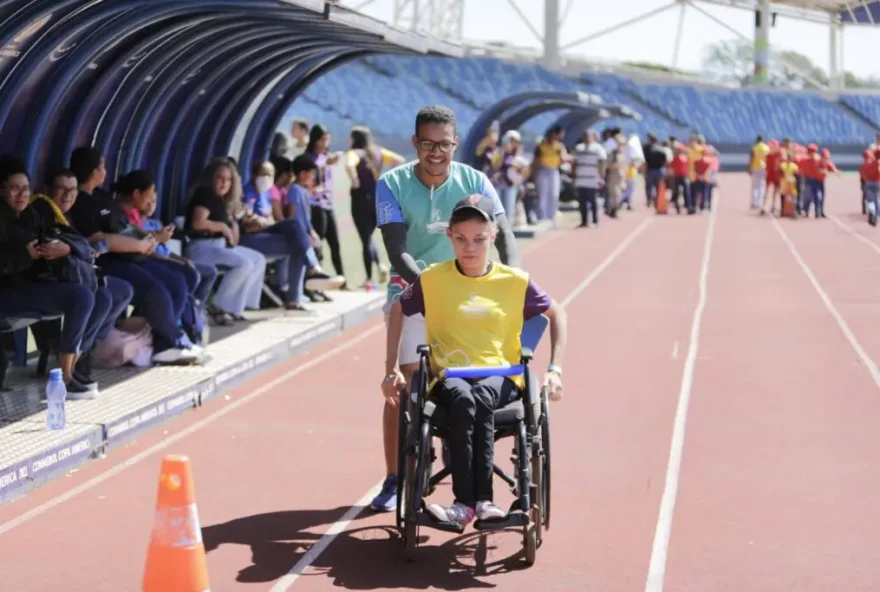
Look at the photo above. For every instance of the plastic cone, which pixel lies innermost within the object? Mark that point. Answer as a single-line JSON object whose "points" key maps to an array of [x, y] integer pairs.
{"points": [[176, 559], [662, 204], [787, 206]]}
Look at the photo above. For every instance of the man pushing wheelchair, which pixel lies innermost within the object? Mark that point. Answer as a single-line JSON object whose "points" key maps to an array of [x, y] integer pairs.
{"points": [[474, 311]]}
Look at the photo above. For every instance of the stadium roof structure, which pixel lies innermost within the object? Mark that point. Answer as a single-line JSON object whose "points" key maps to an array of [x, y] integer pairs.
{"points": [[848, 12], [166, 85]]}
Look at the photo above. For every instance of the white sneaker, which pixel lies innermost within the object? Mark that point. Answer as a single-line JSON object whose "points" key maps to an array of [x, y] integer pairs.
{"points": [[174, 355], [489, 511]]}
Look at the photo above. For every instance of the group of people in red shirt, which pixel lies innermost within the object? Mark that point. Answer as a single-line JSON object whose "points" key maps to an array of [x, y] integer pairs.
{"points": [[693, 171], [869, 175], [795, 173]]}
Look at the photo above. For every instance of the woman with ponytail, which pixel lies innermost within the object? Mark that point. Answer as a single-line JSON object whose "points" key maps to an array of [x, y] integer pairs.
{"points": [[364, 163]]}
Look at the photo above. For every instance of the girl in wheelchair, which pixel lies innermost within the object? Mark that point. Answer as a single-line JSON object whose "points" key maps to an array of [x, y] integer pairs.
{"points": [[474, 312]]}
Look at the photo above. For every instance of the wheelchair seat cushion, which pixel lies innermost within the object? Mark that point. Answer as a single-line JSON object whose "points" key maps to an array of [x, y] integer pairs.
{"points": [[506, 417]]}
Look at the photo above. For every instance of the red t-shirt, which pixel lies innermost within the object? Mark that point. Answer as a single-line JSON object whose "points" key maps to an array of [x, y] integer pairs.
{"points": [[870, 171], [824, 167], [681, 166], [702, 166], [773, 160]]}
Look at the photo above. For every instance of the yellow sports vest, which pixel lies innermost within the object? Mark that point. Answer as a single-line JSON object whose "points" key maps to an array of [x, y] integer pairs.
{"points": [[549, 155], [474, 321]]}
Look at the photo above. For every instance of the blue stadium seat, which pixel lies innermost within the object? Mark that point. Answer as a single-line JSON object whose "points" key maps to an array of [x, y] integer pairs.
{"points": [[384, 92]]}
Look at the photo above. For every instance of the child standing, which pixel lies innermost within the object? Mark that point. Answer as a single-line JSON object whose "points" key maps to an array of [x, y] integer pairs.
{"points": [[788, 185]]}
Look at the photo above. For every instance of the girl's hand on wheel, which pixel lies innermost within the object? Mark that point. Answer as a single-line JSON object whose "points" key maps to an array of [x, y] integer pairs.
{"points": [[393, 383], [553, 384]]}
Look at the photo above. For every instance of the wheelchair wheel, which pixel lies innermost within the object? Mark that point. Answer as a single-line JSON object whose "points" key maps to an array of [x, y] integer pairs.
{"points": [[545, 460], [402, 431]]}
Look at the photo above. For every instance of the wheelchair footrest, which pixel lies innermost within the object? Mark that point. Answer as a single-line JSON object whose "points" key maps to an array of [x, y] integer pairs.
{"points": [[512, 520], [427, 519]]}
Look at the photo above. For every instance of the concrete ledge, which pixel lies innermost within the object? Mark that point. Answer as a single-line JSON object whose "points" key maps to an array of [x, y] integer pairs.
{"points": [[532, 231], [133, 400]]}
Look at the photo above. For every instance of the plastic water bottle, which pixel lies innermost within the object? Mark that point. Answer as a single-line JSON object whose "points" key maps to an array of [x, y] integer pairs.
{"points": [[56, 394]]}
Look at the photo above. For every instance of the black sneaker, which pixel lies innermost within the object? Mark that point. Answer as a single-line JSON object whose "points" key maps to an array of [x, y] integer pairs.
{"points": [[77, 390], [82, 372]]}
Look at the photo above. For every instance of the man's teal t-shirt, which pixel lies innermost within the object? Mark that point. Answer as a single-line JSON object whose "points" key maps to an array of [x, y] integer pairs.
{"points": [[401, 197]]}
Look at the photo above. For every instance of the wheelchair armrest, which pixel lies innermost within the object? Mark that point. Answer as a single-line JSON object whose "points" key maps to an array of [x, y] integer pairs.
{"points": [[527, 355]]}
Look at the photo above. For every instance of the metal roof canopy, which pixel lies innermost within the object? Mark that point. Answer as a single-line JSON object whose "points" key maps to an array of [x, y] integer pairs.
{"points": [[513, 111], [167, 85], [848, 12]]}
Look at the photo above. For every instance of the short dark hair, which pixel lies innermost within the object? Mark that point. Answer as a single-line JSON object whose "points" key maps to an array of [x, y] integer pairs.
{"points": [[84, 161], [302, 164], [435, 114], [300, 123], [55, 173], [11, 164], [137, 180], [282, 165]]}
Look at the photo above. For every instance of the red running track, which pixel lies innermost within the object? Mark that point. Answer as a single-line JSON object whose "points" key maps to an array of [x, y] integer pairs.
{"points": [[774, 471]]}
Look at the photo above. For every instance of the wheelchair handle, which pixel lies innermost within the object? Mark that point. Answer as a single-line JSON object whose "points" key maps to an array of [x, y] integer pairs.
{"points": [[482, 372]]}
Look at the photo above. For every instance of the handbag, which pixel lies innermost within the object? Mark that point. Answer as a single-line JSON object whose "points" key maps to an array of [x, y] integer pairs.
{"points": [[75, 268]]}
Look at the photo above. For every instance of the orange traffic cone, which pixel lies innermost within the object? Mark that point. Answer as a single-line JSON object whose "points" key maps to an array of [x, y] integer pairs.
{"points": [[176, 559], [787, 207], [662, 204]]}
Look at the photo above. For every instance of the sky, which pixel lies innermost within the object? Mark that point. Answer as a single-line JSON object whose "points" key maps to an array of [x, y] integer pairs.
{"points": [[652, 40]]}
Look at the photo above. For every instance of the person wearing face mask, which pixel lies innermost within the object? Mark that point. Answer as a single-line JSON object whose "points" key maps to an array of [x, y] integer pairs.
{"points": [[298, 270]]}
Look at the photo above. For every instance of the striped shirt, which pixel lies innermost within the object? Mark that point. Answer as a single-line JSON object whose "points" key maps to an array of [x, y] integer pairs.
{"points": [[587, 158]]}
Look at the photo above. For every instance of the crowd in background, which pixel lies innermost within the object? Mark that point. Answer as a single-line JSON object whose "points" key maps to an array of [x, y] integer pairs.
{"points": [[95, 254]]}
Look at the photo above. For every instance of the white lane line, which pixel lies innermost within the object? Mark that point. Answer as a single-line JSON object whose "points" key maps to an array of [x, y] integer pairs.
{"points": [[212, 417], [850, 230], [287, 581], [844, 327], [660, 548], [328, 537]]}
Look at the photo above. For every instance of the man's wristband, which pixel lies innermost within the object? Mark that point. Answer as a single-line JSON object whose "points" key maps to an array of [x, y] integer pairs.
{"points": [[555, 368]]}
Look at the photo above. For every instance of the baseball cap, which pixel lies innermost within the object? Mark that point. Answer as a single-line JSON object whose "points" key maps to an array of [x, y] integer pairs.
{"points": [[475, 203]]}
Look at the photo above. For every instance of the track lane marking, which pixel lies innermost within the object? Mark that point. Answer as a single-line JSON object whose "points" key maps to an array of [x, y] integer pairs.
{"points": [[663, 531], [869, 363], [286, 581]]}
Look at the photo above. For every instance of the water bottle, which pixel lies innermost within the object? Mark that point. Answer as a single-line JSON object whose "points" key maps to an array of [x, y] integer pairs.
{"points": [[56, 393]]}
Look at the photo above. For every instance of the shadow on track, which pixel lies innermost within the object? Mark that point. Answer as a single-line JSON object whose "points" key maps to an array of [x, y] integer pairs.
{"points": [[367, 558]]}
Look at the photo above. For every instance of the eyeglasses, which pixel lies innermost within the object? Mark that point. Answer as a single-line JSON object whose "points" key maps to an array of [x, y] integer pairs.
{"points": [[429, 146], [64, 190]]}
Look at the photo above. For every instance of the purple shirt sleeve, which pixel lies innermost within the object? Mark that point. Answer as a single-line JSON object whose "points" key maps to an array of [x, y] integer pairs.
{"points": [[537, 301], [412, 300]]}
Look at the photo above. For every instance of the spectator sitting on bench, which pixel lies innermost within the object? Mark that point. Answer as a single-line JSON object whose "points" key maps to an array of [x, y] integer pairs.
{"points": [[281, 186], [160, 289], [212, 214], [136, 193], [46, 273], [61, 189], [299, 268]]}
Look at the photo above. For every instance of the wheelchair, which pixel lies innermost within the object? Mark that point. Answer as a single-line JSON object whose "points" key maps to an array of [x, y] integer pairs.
{"points": [[526, 420]]}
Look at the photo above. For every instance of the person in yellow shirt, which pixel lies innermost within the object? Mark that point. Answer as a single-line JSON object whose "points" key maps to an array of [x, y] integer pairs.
{"points": [[788, 187], [758, 171], [550, 153], [474, 312]]}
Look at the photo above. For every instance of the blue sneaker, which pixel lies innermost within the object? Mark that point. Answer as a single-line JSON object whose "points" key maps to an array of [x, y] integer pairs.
{"points": [[386, 501]]}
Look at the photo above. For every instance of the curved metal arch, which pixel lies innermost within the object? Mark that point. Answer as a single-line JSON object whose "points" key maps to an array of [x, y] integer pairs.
{"points": [[576, 124], [236, 107], [497, 110], [237, 49], [42, 48], [61, 83], [120, 19], [217, 85], [224, 96], [516, 119], [99, 95], [261, 128]]}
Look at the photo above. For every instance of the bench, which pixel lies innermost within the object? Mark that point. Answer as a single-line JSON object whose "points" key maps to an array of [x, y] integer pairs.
{"points": [[13, 331]]}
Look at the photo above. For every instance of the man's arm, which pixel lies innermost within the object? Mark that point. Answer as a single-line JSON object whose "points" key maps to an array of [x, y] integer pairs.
{"points": [[539, 302], [411, 302], [505, 242], [390, 219]]}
